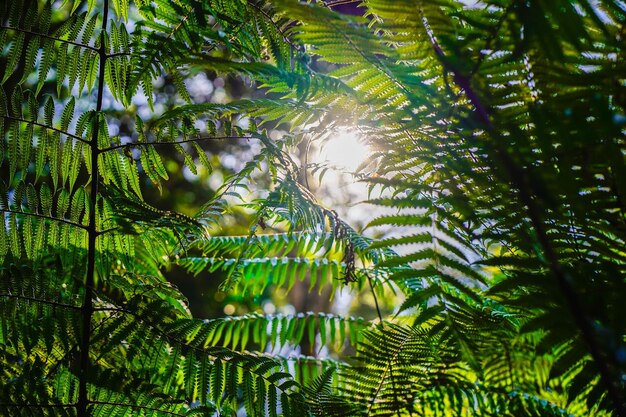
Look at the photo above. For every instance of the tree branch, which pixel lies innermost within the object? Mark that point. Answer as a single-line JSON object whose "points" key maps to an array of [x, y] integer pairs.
{"points": [[42, 216], [17, 119], [116, 54], [81, 45], [39, 300], [92, 229], [39, 405], [198, 139]]}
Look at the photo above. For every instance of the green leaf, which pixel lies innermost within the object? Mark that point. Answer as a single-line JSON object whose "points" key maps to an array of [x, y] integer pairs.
{"points": [[15, 52]]}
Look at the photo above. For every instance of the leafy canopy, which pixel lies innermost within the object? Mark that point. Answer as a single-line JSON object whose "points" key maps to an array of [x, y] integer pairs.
{"points": [[498, 157]]}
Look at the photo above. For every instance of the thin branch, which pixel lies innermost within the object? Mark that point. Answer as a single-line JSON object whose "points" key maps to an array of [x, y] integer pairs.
{"points": [[81, 45], [116, 54], [40, 405], [332, 3], [112, 309], [198, 139], [102, 232], [380, 316], [63, 132], [42, 216], [39, 300]]}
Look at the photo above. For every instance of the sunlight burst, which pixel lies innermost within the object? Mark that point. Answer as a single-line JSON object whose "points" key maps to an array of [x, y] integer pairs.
{"points": [[344, 150]]}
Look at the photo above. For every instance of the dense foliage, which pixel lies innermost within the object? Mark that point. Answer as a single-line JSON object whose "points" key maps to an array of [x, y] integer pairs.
{"points": [[498, 164]]}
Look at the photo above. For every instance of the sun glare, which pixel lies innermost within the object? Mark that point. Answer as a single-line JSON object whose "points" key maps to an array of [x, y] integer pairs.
{"points": [[344, 150]]}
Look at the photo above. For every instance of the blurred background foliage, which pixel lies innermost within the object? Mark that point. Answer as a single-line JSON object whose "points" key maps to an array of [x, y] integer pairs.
{"points": [[186, 192]]}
